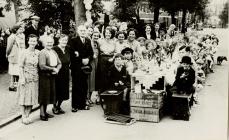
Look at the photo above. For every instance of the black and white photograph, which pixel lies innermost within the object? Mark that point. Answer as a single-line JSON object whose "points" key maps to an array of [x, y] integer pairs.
{"points": [[114, 69]]}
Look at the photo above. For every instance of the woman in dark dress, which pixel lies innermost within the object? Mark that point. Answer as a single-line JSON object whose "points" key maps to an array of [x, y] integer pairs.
{"points": [[62, 79], [49, 66]]}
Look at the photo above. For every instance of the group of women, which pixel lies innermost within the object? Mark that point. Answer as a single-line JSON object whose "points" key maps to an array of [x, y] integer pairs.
{"points": [[44, 75]]}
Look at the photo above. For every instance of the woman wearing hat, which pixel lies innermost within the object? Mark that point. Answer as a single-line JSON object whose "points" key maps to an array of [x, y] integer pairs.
{"points": [[15, 45]]}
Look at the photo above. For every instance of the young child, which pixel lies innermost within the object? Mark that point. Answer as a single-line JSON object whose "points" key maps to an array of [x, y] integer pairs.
{"points": [[120, 80], [185, 77], [128, 56]]}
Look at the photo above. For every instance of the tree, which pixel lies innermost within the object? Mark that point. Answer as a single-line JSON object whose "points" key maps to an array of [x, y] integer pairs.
{"points": [[59, 12], [224, 15], [125, 10]]}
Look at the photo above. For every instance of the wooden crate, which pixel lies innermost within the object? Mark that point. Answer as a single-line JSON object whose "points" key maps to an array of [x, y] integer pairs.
{"points": [[146, 114], [157, 104], [152, 95]]}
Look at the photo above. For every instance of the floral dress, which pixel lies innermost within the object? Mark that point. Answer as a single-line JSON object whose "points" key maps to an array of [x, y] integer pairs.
{"points": [[28, 92]]}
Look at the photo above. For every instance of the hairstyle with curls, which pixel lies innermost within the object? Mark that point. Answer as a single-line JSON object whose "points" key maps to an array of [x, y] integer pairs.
{"points": [[132, 29]]}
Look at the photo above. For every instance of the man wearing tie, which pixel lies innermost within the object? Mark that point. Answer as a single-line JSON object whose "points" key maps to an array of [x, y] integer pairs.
{"points": [[81, 54]]}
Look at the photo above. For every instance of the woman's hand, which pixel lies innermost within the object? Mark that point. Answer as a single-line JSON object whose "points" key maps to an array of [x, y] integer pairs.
{"points": [[55, 71]]}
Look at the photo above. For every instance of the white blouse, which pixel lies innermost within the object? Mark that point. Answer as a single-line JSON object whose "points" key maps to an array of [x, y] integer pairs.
{"points": [[53, 58]]}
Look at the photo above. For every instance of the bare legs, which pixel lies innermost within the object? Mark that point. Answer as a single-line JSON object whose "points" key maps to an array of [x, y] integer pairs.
{"points": [[13, 82]]}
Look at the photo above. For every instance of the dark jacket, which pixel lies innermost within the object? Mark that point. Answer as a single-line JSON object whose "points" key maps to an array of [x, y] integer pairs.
{"points": [[185, 83], [84, 50], [115, 76]]}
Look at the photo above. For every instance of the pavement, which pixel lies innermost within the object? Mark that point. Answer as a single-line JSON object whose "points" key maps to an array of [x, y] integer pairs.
{"points": [[208, 120]]}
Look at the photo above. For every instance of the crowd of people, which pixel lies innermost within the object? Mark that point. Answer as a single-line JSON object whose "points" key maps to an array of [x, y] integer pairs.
{"points": [[98, 59]]}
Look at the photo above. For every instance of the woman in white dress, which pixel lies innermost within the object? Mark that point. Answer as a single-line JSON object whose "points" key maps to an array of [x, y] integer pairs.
{"points": [[15, 45]]}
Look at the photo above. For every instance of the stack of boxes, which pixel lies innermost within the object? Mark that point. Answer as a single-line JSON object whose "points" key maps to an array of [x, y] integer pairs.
{"points": [[147, 104]]}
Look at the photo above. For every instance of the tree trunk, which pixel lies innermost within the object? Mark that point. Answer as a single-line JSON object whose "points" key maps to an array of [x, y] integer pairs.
{"points": [[183, 22], [16, 11], [156, 14], [173, 18], [80, 12]]}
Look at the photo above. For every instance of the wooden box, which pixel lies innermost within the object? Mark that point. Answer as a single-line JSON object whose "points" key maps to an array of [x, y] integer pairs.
{"points": [[146, 114], [111, 102]]}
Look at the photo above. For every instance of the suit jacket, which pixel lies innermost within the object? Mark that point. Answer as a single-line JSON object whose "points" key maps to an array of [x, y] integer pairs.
{"points": [[115, 76], [84, 50]]}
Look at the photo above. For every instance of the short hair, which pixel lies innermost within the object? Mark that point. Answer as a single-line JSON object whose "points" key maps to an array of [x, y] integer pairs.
{"points": [[120, 32], [150, 41], [109, 28], [118, 55], [141, 38], [131, 29], [148, 25], [80, 27], [32, 36], [62, 36]]}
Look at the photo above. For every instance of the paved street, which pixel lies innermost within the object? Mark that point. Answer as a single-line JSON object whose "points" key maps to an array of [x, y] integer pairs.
{"points": [[207, 122]]}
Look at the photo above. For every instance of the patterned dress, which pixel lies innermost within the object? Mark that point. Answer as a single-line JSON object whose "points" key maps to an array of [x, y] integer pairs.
{"points": [[28, 92]]}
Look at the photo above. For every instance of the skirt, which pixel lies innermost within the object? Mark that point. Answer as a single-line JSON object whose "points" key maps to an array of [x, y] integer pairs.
{"points": [[28, 93]]}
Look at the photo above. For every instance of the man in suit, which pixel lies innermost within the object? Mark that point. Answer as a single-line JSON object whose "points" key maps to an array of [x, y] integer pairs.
{"points": [[81, 54]]}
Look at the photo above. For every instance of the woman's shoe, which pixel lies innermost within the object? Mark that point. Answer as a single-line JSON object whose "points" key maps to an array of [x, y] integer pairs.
{"points": [[43, 118], [86, 107], [55, 111], [74, 109], [12, 89], [49, 115], [61, 111]]}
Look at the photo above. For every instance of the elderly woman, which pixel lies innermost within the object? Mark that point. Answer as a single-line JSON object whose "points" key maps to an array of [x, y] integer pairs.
{"points": [[28, 80], [62, 79], [107, 50], [15, 45], [49, 66]]}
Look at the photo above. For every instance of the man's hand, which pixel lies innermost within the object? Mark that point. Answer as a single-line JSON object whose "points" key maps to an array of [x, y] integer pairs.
{"points": [[77, 53], [116, 84], [85, 61]]}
